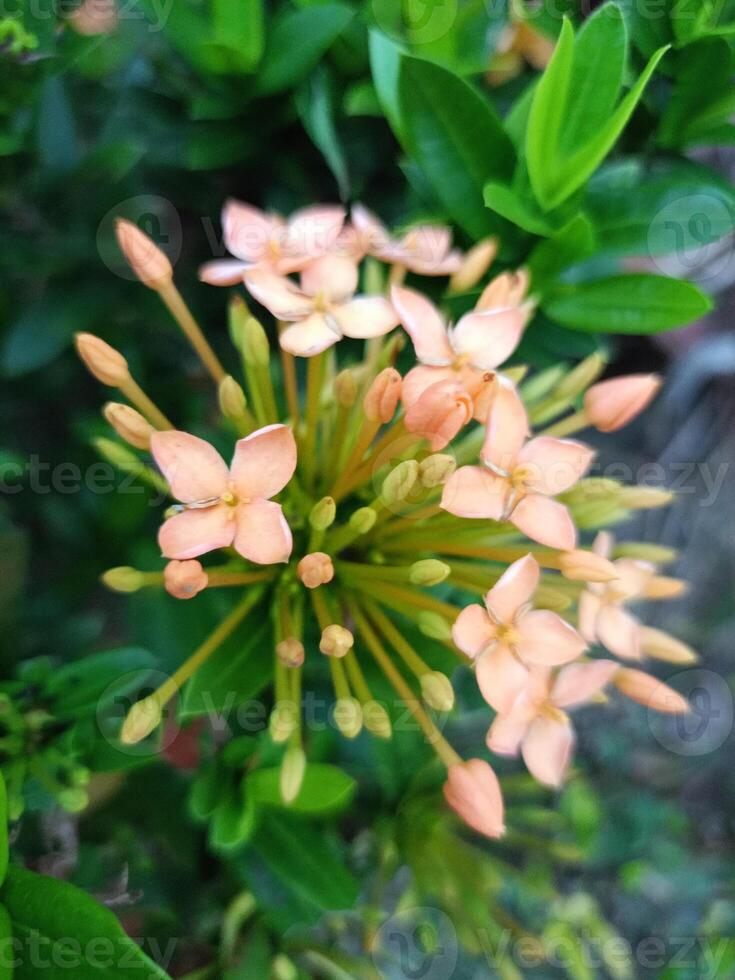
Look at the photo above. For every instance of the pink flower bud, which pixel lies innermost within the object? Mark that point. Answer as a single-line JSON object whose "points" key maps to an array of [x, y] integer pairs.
{"points": [[473, 791], [382, 396], [439, 413], [315, 569], [104, 362], [129, 424], [336, 641], [610, 405], [650, 691], [184, 579], [144, 257]]}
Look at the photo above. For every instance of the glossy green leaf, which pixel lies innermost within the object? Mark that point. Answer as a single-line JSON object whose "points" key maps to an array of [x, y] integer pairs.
{"points": [[511, 206], [571, 244], [6, 938], [98, 680], [632, 304], [697, 106], [385, 64], [325, 790], [233, 820], [315, 104], [238, 29]]}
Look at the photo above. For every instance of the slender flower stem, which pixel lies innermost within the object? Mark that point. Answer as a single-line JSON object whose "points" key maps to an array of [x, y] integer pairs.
{"points": [[314, 381], [396, 639], [357, 678], [365, 436], [290, 383], [268, 396], [567, 426], [182, 314], [136, 396]]}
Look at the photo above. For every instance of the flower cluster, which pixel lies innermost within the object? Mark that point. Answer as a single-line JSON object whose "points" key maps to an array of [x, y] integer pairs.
{"points": [[365, 506]]}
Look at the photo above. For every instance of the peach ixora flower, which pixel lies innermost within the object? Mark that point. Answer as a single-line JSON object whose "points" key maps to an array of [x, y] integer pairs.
{"points": [[221, 507], [508, 636], [268, 241], [518, 477], [537, 723], [426, 249], [324, 309], [473, 792]]}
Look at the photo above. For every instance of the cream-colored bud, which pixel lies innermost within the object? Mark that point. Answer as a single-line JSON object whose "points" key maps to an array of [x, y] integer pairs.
{"points": [[435, 470], [382, 396], [255, 347], [323, 513], [547, 597], [283, 721], [661, 646], [586, 566], [437, 690], [434, 625], [144, 257], [400, 482], [129, 424], [594, 488], [665, 587], [348, 716], [428, 572], [645, 498], [336, 640], [656, 554], [346, 388], [315, 569], [290, 651], [143, 718], [649, 691], [123, 579], [363, 520], [293, 768], [232, 401], [475, 264], [541, 383], [581, 377], [104, 362], [117, 454], [376, 719]]}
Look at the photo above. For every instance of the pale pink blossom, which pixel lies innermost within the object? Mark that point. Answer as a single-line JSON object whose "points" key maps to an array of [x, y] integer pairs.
{"points": [[467, 354], [324, 309], [473, 792], [185, 579], [610, 405], [221, 506], [425, 249], [508, 636], [518, 478], [261, 240], [537, 723]]}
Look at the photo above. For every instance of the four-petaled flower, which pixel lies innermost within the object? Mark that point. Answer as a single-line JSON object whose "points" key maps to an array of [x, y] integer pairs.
{"points": [[324, 309], [426, 249], [518, 478], [508, 636], [221, 507]]}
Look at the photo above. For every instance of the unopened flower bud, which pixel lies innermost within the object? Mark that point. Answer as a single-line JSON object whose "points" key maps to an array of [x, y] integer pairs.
{"points": [[293, 768], [363, 520], [290, 651], [143, 718], [376, 719], [581, 377], [93, 18], [428, 572], [144, 257], [434, 625], [123, 579], [129, 424], [400, 482], [586, 566], [185, 579], [348, 716], [665, 587], [336, 641], [656, 554], [610, 405], [255, 347], [382, 396], [437, 690], [475, 264], [117, 454], [645, 498], [661, 646], [104, 362], [282, 968], [232, 401], [345, 388], [323, 513], [436, 469], [283, 721], [649, 691], [547, 597], [315, 569]]}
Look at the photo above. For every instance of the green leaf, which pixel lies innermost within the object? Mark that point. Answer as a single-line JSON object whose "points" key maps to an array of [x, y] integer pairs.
{"points": [[385, 64], [315, 104], [78, 936], [233, 820], [457, 139], [58, 146], [296, 42], [325, 790], [513, 207], [96, 681], [238, 29], [630, 304], [3, 829], [697, 106], [571, 244]]}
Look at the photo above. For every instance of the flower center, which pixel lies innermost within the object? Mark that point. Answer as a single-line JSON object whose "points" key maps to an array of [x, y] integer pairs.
{"points": [[321, 303]]}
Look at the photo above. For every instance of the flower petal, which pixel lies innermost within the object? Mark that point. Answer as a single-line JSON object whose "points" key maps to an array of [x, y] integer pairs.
{"points": [[439, 413], [420, 378], [248, 230], [515, 587], [424, 325], [545, 638], [195, 532], [589, 606], [264, 462], [372, 231], [546, 521], [577, 683], [507, 426], [619, 632], [310, 336], [365, 316], [262, 534], [223, 272], [472, 631], [473, 792], [554, 465], [507, 289], [501, 677], [488, 339], [473, 491], [334, 276], [547, 750], [310, 232], [278, 294], [193, 468], [508, 731]]}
